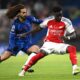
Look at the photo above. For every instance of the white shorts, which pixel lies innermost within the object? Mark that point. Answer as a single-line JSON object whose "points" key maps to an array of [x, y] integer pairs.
{"points": [[52, 47]]}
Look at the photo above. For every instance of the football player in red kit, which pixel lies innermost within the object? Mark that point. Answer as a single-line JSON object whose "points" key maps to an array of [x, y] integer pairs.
{"points": [[59, 27]]}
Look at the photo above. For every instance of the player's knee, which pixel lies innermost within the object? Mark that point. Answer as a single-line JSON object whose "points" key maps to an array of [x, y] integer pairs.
{"points": [[33, 49], [29, 53]]}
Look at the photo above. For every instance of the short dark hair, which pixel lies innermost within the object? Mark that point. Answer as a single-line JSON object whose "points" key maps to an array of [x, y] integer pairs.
{"points": [[13, 11], [56, 9]]}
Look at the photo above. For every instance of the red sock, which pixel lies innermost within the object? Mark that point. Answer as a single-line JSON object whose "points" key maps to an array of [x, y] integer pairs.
{"points": [[33, 60], [72, 54]]}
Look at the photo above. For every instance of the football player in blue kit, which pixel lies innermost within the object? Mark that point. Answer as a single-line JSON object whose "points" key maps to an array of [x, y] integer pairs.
{"points": [[21, 24]]}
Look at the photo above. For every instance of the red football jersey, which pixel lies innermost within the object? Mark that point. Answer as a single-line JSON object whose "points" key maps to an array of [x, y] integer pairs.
{"points": [[55, 31]]}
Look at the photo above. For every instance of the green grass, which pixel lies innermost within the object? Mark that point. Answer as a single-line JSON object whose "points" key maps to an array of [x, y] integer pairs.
{"points": [[52, 67]]}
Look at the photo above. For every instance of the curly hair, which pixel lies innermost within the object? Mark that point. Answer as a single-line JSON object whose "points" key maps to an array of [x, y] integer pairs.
{"points": [[13, 11]]}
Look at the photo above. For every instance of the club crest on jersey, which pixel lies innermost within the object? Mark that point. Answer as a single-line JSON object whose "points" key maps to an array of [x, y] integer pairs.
{"points": [[51, 26], [60, 27]]}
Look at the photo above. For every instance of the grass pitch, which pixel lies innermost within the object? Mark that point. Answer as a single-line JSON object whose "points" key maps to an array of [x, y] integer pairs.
{"points": [[52, 67]]}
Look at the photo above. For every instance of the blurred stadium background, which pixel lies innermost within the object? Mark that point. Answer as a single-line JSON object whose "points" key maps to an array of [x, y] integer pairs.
{"points": [[40, 9], [47, 71]]}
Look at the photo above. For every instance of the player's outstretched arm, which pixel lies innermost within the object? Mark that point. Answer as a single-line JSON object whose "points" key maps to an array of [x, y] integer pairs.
{"points": [[30, 32]]}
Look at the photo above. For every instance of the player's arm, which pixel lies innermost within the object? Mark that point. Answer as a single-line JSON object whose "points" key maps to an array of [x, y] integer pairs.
{"points": [[12, 36], [70, 36], [70, 31], [41, 26], [30, 32], [35, 20]]}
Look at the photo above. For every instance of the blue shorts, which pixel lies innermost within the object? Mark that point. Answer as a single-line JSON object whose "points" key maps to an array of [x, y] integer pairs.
{"points": [[21, 46]]}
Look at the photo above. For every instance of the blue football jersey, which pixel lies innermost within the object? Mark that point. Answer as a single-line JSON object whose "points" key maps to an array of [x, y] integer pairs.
{"points": [[22, 27]]}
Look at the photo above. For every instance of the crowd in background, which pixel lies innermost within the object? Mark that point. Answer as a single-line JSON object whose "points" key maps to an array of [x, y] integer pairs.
{"points": [[40, 9]]}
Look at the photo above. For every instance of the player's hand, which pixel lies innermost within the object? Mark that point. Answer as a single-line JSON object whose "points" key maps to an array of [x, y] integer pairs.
{"points": [[22, 35], [64, 38]]}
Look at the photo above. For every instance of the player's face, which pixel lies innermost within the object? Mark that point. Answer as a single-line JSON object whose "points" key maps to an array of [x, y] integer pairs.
{"points": [[23, 13], [58, 16]]}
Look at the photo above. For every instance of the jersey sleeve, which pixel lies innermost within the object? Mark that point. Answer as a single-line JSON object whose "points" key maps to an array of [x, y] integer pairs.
{"points": [[44, 23], [12, 36], [13, 32], [69, 26], [35, 20]]}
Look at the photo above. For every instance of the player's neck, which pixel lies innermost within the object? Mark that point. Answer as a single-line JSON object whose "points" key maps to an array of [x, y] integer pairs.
{"points": [[21, 19], [57, 20]]}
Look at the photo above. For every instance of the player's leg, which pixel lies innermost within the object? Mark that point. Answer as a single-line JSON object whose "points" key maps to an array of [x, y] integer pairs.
{"points": [[31, 52], [42, 53], [62, 48], [5, 55], [31, 62], [8, 53], [72, 54]]}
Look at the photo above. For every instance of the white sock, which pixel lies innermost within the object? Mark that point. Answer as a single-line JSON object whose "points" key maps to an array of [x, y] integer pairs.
{"points": [[22, 72], [74, 66], [31, 55]]}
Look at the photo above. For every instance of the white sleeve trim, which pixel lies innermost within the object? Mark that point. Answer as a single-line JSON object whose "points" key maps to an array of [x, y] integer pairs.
{"points": [[44, 23], [69, 26]]}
